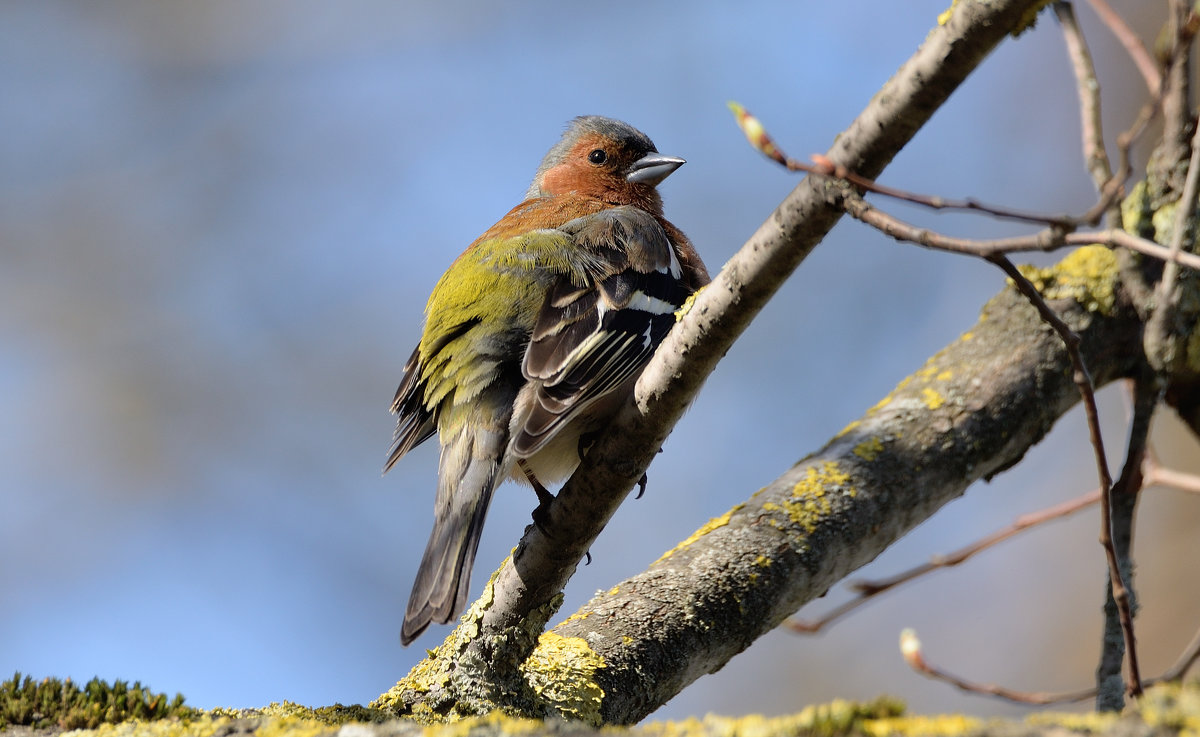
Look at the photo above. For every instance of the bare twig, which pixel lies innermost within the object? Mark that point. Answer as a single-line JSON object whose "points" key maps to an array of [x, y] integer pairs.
{"points": [[868, 589], [1187, 659], [1092, 135], [1060, 233], [1083, 380], [1133, 45], [910, 647], [1157, 475], [761, 140], [1046, 240]]}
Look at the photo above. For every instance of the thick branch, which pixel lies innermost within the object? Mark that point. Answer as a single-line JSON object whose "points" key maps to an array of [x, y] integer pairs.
{"points": [[972, 411]]}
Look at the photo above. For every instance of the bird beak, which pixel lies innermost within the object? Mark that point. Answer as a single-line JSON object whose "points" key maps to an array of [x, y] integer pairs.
{"points": [[653, 168]]}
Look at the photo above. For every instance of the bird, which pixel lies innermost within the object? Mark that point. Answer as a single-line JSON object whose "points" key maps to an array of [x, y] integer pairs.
{"points": [[535, 336]]}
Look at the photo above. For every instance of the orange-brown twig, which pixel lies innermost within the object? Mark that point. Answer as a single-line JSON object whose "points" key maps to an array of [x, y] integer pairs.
{"points": [[910, 647], [1133, 45], [868, 589]]}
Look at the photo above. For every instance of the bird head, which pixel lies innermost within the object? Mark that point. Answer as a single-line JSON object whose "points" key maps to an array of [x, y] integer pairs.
{"points": [[605, 159]]}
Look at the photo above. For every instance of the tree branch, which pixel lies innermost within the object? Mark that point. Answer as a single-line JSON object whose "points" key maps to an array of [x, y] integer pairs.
{"points": [[972, 411]]}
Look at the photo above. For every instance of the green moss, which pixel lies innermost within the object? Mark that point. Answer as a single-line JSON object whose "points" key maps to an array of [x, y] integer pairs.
{"points": [[51, 702], [1088, 275]]}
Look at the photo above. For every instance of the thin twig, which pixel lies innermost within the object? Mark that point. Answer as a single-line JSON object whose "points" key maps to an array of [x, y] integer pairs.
{"points": [[1156, 475], [1114, 188], [869, 589], [1059, 234], [1091, 129], [1190, 655], [1083, 380], [1045, 240], [910, 647], [1132, 43], [761, 140]]}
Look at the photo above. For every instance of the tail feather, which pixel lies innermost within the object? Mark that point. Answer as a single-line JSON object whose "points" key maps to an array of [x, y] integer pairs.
{"points": [[469, 471]]}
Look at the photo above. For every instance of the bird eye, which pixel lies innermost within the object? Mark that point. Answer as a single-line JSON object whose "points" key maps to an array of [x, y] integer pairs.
{"points": [[598, 156]]}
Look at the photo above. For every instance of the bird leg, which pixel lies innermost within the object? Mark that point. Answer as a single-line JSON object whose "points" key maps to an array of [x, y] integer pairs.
{"points": [[543, 494]]}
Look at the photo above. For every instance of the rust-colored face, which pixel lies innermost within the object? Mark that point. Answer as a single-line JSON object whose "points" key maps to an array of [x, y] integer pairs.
{"points": [[598, 166]]}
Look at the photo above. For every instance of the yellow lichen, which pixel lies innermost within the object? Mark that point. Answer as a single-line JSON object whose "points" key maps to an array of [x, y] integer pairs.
{"points": [[434, 670], [1091, 721], [1163, 220], [1135, 207], [869, 449], [495, 722], [204, 726], [1088, 275], [932, 398], [890, 396], [1173, 707], [561, 671], [836, 718], [947, 725], [577, 616], [810, 500], [848, 428], [708, 527], [946, 375], [945, 15], [686, 307], [293, 726]]}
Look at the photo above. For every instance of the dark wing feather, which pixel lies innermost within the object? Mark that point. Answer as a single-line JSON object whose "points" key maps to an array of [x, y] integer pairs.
{"points": [[592, 338], [415, 422]]}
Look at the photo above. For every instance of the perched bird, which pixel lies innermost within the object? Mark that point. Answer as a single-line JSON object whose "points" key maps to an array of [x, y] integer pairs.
{"points": [[535, 336]]}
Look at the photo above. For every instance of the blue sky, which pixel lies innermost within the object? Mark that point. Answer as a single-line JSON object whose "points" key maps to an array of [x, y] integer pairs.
{"points": [[220, 222]]}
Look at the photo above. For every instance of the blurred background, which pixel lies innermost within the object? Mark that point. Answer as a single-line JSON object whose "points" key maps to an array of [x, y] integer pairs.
{"points": [[219, 223]]}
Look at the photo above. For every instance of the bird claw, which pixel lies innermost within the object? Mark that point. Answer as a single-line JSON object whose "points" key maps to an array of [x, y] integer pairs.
{"points": [[642, 486], [541, 514], [541, 518]]}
